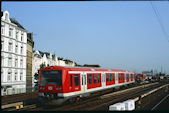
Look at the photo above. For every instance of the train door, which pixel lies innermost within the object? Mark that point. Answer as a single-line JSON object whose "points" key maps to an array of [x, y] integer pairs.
{"points": [[116, 78], [75, 82], [103, 79], [83, 83]]}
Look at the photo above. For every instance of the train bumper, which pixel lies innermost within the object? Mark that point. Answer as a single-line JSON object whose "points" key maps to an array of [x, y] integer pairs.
{"points": [[54, 98]]}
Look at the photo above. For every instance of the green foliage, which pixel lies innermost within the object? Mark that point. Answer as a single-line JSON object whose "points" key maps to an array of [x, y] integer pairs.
{"points": [[37, 74]]}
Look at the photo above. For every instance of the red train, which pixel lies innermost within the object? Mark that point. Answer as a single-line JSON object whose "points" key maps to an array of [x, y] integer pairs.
{"points": [[63, 83], [140, 77]]}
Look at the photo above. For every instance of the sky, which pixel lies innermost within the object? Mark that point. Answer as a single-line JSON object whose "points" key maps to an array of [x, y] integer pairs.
{"points": [[117, 35]]}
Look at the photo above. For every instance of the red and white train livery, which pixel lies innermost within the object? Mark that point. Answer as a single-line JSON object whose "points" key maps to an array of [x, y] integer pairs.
{"points": [[62, 83]]}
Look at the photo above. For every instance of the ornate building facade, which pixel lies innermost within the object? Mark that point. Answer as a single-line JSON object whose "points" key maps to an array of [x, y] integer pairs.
{"points": [[13, 56]]}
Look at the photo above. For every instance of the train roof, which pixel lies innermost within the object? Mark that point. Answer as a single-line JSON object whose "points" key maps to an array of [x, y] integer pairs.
{"points": [[70, 68]]}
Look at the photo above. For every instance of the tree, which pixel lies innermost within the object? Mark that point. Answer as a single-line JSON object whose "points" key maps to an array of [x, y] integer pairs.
{"points": [[36, 76]]}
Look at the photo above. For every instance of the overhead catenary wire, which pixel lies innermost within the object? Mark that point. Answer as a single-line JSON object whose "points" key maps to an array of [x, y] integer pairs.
{"points": [[160, 22]]}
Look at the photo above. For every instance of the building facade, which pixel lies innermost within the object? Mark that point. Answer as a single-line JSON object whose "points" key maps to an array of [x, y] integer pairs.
{"points": [[13, 56], [48, 59], [30, 45]]}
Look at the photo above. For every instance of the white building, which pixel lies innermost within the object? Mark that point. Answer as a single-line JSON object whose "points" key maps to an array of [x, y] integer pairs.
{"points": [[48, 59], [13, 56]]}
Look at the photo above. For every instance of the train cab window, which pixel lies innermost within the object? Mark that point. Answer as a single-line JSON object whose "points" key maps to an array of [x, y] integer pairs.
{"points": [[90, 79], [70, 80], [94, 78], [76, 80], [51, 77], [99, 78]]}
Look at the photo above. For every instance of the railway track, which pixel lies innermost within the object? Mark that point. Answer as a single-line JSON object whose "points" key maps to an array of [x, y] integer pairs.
{"points": [[95, 102], [100, 102], [17, 97]]}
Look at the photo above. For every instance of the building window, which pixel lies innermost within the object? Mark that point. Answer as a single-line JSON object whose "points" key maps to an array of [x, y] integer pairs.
{"points": [[21, 76], [9, 76], [16, 48], [2, 60], [22, 37], [10, 46], [6, 17], [1, 75], [16, 62], [2, 45], [10, 61], [21, 63], [2, 30], [16, 76], [21, 49], [10, 32], [16, 35]]}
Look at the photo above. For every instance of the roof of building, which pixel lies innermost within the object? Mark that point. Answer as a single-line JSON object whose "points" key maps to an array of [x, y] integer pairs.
{"points": [[17, 23]]}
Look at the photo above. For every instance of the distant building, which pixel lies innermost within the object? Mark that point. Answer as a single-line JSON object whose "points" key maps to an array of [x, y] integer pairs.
{"points": [[48, 59], [148, 73], [30, 45], [13, 56]]}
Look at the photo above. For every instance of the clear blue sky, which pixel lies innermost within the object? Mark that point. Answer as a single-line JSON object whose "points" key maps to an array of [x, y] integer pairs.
{"points": [[117, 35]]}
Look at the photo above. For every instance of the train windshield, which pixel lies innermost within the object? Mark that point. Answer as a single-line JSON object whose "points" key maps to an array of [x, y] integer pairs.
{"points": [[140, 75], [51, 77]]}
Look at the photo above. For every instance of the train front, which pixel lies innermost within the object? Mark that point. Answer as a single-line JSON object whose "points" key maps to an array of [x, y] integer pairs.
{"points": [[50, 84]]}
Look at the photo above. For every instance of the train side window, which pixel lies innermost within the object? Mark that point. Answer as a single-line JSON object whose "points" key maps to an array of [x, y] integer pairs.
{"points": [[122, 76], [82, 79], [90, 79], [113, 77], [70, 80], [119, 76], [110, 77], [98, 78], [76, 80], [94, 78], [107, 77]]}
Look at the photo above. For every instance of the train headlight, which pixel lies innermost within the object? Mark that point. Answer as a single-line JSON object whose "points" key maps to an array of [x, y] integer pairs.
{"points": [[42, 88]]}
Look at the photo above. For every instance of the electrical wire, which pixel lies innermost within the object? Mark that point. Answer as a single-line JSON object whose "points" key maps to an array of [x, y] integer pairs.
{"points": [[160, 22]]}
